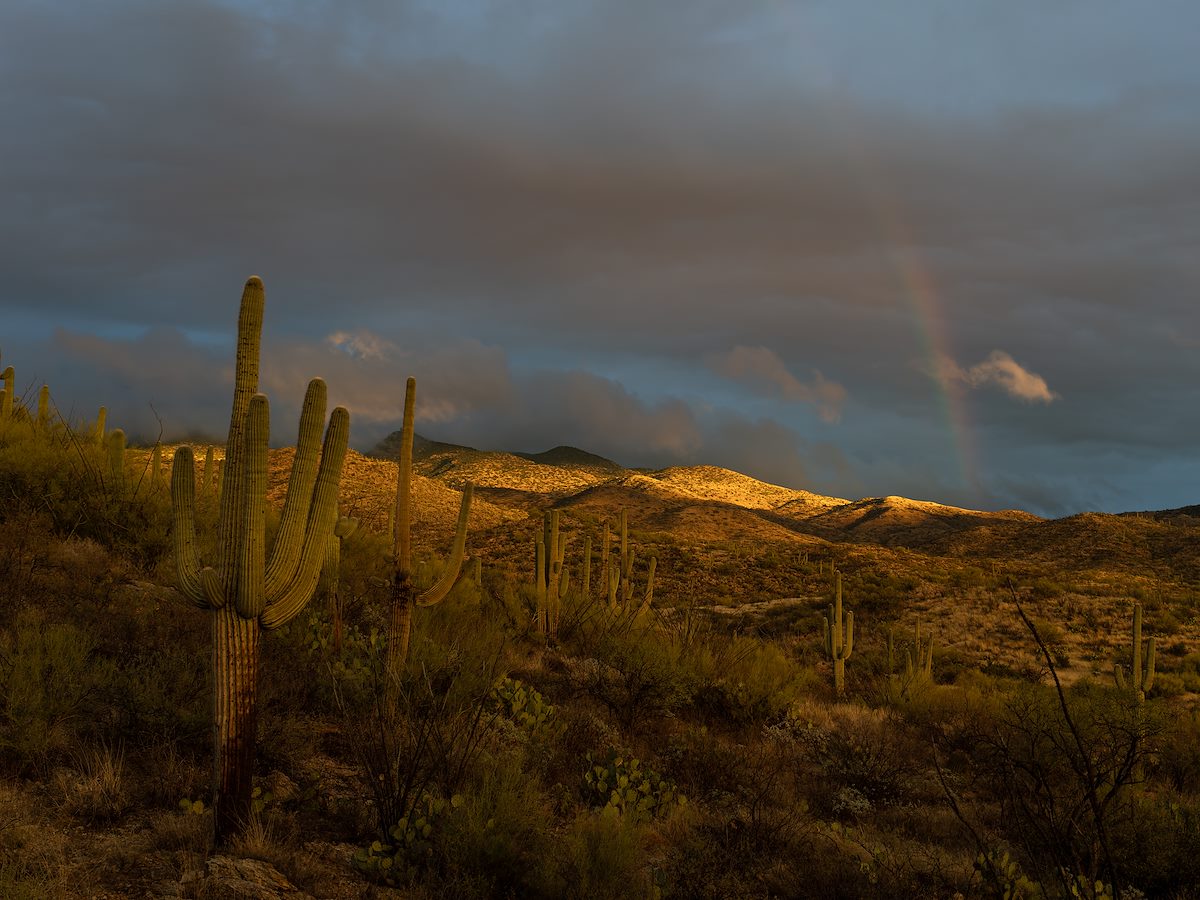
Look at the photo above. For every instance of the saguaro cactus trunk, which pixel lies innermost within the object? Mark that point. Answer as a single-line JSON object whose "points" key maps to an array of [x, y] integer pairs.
{"points": [[404, 596], [248, 591]]}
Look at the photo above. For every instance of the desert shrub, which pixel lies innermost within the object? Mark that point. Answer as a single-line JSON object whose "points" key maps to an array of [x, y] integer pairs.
{"points": [[867, 757], [632, 670], [497, 842], [1156, 843], [742, 681], [1177, 760], [602, 855], [1061, 779], [95, 787], [50, 682], [427, 741]]}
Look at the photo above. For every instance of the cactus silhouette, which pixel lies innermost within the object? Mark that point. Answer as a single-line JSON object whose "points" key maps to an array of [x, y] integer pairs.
{"points": [[247, 591]]}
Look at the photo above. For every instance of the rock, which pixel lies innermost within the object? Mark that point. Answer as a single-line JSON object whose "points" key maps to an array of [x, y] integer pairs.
{"points": [[243, 879]]}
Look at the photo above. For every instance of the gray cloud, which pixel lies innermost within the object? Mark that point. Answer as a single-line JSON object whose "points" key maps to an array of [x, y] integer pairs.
{"points": [[762, 370]]}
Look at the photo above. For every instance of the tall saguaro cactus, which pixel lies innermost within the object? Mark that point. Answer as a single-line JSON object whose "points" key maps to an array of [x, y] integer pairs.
{"points": [[404, 596], [1139, 680], [248, 591], [839, 643]]}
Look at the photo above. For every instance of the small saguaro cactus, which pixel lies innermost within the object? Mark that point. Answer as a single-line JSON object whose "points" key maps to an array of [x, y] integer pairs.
{"points": [[43, 413], [839, 643], [605, 541], [248, 591], [116, 460], [586, 587], [331, 571], [403, 594], [156, 471], [1139, 680], [918, 661], [98, 434], [6, 403]]}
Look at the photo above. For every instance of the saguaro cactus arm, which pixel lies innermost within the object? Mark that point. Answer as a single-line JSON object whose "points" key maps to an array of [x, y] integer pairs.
{"points": [[285, 555], [183, 530], [438, 591], [322, 515]]}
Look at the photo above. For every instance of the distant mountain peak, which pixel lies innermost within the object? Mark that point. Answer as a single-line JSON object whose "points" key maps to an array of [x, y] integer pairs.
{"points": [[564, 455]]}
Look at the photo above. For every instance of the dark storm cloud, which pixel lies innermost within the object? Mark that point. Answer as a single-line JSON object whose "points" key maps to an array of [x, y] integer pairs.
{"points": [[663, 183]]}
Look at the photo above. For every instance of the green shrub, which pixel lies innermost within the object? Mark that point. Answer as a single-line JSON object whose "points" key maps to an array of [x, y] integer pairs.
{"points": [[50, 681], [602, 855], [497, 842]]}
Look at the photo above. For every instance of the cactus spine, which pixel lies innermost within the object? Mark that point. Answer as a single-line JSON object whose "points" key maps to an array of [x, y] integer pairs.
{"points": [[403, 594], [839, 643], [248, 591], [1139, 680]]}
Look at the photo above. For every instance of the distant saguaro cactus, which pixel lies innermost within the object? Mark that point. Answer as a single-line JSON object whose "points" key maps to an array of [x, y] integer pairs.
{"points": [[6, 403], [839, 643], [101, 420], [248, 591], [404, 596], [551, 575], [331, 572], [43, 413], [918, 662], [116, 460], [1140, 680], [618, 572]]}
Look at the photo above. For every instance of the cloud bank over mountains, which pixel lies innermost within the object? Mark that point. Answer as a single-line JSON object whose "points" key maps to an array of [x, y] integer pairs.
{"points": [[737, 233]]}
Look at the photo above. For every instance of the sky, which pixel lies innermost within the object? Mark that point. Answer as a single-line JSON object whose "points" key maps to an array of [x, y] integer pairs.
{"points": [[943, 250]]}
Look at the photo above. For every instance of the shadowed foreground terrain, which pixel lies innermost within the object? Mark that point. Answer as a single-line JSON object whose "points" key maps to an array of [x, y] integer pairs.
{"points": [[695, 748]]}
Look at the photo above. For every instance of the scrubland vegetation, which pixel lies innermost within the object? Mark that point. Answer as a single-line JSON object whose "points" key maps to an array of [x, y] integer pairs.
{"points": [[551, 737]]}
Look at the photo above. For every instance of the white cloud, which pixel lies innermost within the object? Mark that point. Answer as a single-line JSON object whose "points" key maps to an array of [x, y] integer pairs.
{"points": [[1001, 370], [362, 344]]}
